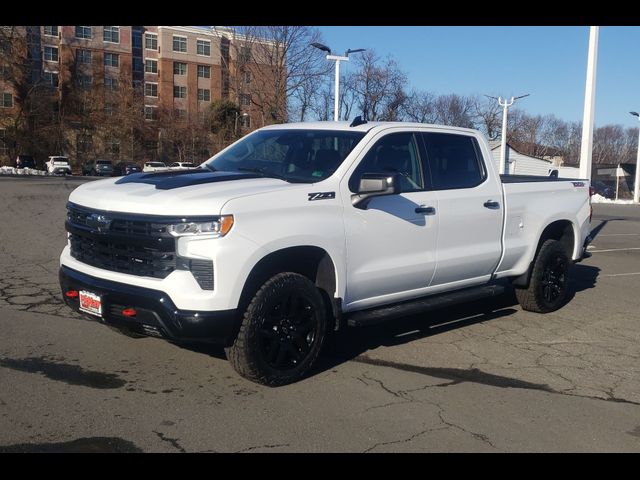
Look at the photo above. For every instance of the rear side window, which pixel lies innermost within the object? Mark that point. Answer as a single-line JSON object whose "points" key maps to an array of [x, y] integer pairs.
{"points": [[454, 161], [393, 153]]}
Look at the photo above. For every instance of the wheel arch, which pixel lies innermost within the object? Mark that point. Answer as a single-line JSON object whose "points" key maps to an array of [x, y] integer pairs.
{"points": [[563, 231]]}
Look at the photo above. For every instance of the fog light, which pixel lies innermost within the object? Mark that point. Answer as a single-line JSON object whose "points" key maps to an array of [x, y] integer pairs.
{"points": [[71, 294], [129, 312]]}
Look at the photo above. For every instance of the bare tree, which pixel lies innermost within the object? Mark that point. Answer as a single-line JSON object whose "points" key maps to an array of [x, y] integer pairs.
{"points": [[487, 115]]}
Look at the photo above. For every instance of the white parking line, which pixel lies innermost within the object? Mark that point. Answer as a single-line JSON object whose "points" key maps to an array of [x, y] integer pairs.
{"points": [[614, 250], [619, 274]]}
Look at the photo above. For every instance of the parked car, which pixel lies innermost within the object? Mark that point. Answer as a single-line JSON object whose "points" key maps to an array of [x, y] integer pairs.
{"points": [[58, 165], [182, 166], [126, 168], [154, 166], [25, 161], [603, 189], [300, 229], [98, 168]]}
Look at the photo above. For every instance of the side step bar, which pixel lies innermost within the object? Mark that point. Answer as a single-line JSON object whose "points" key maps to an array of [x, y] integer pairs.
{"points": [[374, 316]]}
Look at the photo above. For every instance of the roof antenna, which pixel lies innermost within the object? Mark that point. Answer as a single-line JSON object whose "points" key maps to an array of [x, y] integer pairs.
{"points": [[357, 121]]}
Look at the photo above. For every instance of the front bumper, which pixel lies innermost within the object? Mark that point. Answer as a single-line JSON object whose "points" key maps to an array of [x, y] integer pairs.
{"points": [[156, 314]]}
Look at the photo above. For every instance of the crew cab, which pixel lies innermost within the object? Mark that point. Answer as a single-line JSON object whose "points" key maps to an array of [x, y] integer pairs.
{"points": [[58, 165], [303, 228]]}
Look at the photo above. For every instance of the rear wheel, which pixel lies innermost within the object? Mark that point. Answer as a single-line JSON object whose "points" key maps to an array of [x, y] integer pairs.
{"points": [[548, 286], [282, 331]]}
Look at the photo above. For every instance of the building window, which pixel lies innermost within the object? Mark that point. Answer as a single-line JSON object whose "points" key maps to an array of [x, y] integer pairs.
{"points": [[245, 99], [204, 94], [204, 71], [110, 83], [84, 144], [246, 77], [111, 59], [83, 32], [150, 112], [136, 40], [111, 34], [151, 41], [114, 148], [245, 55], [181, 114], [150, 89], [51, 54], [203, 47], [4, 150], [150, 66], [83, 56], [138, 66], [179, 44], [245, 121], [179, 92], [50, 79], [179, 68], [85, 82], [7, 100], [51, 31]]}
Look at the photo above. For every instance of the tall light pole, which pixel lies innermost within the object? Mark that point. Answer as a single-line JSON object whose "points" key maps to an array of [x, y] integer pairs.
{"points": [[505, 104], [338, 59], [636, 185], [586, 149]]}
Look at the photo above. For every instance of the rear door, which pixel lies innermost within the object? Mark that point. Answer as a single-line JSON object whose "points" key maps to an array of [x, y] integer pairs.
{"points": [[470, 209]]}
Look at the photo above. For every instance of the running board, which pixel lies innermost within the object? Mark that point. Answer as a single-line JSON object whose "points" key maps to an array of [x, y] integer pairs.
{"points": [[374, 316]]}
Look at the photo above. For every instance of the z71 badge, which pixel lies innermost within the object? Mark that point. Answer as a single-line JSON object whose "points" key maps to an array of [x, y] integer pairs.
{"points": [[321, 196]]}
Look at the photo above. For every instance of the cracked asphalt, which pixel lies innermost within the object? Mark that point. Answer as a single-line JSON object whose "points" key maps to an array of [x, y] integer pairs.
{"points": [[483, 377]]}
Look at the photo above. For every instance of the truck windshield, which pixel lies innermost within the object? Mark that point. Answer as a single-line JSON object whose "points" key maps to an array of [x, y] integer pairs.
{"points": [[305, 156]]}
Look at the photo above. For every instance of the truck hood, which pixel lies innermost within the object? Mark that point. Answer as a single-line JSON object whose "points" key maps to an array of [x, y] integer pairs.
{"points": [[183, 192]]}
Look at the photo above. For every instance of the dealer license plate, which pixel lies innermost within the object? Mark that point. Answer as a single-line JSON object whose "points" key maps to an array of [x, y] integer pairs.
{"points": [[90, 303]]}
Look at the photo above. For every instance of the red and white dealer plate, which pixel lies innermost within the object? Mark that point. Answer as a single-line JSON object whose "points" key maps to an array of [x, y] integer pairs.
{"points": [[90, 303]]}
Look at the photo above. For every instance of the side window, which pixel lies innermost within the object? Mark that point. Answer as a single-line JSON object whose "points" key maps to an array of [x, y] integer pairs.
{"points": [[454, 161], [393, 153]]}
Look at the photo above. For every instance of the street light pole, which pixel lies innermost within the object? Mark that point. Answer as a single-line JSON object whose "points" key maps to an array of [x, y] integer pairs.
{"points": [[586, 149], [636, 185], [337, 59], [505, 104]]}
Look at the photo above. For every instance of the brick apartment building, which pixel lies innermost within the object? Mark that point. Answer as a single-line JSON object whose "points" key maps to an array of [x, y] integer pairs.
{"points": [[171, 72]]}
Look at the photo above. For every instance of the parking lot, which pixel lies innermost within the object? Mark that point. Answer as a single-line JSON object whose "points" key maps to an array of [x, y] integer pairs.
{"points": [[483, 377]]}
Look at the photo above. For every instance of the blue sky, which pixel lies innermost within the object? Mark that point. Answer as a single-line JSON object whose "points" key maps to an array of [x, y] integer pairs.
{"points": [[547, 62]]}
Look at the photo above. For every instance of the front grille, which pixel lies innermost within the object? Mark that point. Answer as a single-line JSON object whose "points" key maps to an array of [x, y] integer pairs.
{"points": [[134, 244], [126, 245]]}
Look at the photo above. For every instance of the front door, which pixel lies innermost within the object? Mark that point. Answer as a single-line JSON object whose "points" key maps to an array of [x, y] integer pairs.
{"points": [[391, 245]]}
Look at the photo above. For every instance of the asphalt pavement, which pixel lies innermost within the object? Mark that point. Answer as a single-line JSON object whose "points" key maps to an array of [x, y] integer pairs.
{"points": [[483, 377]]}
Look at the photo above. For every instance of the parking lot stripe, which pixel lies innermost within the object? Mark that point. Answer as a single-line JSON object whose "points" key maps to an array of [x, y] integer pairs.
{"points": [[614, 250], [619, 274]]}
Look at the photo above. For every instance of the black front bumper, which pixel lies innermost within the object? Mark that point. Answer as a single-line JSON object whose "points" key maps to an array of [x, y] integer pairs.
{"points": [[156, 314]]}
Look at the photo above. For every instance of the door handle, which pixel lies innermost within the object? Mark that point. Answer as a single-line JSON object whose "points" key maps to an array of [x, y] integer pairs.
{"points": [[426, 210], [492, 205]]}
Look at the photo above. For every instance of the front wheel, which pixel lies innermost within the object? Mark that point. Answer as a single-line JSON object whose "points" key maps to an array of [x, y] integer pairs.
{"points": [[548, 286], [282, 331]]}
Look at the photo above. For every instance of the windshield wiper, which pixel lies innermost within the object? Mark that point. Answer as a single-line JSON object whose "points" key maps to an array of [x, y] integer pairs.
{"points": [[264, 173], [208, 167]]}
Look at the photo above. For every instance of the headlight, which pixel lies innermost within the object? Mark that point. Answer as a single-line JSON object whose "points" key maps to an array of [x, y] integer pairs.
{"points": [[216, 228]]}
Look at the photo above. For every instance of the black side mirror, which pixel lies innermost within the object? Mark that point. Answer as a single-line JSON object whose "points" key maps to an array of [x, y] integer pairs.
{"points": [[375, 185]]}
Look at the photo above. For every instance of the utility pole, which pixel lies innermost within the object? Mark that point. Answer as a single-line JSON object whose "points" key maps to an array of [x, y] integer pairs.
{"points": [[636, 185], [586, 149]]}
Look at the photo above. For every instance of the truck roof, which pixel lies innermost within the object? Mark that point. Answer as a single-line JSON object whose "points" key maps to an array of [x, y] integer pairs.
{"points": [[365, 127]]}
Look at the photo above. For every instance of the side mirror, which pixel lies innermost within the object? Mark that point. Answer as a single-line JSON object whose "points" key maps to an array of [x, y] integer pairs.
{"points": [[375, 185]]}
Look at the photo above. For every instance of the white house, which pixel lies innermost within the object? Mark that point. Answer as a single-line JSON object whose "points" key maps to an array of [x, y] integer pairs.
{"points": [[521, 164]]}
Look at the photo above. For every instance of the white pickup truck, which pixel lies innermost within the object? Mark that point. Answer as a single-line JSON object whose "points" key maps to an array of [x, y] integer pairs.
{"points": [[297, 229]]}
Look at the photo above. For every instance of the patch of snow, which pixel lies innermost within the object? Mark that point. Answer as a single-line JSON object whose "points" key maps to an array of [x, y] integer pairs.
{"points": [[597, 198]]}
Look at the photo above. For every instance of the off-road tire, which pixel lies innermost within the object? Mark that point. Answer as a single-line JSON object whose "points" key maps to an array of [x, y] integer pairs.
{"points": [[548, 286], [248, 354]]}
